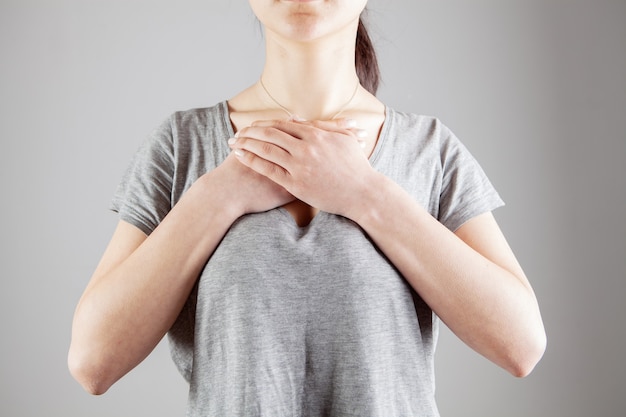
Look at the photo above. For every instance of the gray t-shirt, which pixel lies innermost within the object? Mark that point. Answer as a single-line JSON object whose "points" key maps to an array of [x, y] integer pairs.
{"points": [[305, 321]]}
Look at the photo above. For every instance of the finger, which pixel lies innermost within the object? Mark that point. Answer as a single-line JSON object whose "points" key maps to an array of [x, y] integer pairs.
{"points": [[330, 125], [266, 150], [293, 127], [293, 132], [290, 127], [333, 124], [344, 126], [268, 134], [262, 166]]}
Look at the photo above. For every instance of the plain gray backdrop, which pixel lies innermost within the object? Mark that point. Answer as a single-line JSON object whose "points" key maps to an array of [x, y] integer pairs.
{"points": [[535, 88]]}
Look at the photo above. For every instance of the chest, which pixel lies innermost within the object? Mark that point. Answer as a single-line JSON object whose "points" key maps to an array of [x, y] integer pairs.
{"points": [[267, 256]]}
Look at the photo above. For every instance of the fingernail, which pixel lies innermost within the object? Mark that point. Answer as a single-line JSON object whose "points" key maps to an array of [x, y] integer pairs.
{"points": [[238, 152], [236, 134], [360, 133], [232, 141], [362, 144], [350, 123], [297, 118]]}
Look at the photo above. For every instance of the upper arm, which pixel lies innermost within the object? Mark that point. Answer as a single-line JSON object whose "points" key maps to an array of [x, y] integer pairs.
{"points": [[483, 234]]}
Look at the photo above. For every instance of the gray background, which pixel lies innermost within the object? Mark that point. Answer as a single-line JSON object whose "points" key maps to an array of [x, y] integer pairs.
{"points": [[535, 88]]}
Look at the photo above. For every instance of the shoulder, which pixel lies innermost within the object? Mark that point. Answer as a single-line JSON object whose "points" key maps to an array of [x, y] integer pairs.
{"points": [[201, 117], [417, 131], [417, 125], [191, 129]]}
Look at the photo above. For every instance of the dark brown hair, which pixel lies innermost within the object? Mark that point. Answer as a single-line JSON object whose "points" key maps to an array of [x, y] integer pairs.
{"points": [[365, 60]]}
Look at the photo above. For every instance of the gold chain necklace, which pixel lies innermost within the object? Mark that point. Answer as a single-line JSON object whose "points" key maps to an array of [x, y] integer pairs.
{"points": [[356, 89]]}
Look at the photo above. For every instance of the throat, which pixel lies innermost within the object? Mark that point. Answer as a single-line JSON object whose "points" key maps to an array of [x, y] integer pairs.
{"points": [[301, 212]]}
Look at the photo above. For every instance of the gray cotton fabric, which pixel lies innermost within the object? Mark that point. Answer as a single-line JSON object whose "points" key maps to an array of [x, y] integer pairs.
{"points": [[305, 321]]}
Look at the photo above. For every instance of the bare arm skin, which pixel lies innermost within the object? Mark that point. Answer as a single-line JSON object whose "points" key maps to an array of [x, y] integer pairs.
{"points": [[470, 278], [141, 283]]}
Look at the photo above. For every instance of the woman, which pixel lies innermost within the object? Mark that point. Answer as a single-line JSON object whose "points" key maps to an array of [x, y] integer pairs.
{"points": [[300, 241]]}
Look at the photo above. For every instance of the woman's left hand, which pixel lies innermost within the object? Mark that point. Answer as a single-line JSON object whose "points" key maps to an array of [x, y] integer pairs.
{"points": [[321, 163]]}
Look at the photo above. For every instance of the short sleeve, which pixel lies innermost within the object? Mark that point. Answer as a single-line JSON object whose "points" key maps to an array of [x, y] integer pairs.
{"points": [[466, 191], [144, 195]]}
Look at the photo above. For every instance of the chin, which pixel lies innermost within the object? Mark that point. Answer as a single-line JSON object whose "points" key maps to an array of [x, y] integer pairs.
{"points": [[307, 20]]}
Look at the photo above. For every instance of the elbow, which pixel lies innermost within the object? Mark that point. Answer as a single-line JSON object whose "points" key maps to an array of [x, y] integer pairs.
{"points": [[524, 361], [88, 372]]}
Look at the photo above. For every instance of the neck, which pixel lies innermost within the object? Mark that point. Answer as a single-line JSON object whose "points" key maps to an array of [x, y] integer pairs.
{"points": [[312, 80]]}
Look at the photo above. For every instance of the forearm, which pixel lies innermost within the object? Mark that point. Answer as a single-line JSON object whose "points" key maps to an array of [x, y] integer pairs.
{"points": [[129, 307], [474, 284], [487, 304]]}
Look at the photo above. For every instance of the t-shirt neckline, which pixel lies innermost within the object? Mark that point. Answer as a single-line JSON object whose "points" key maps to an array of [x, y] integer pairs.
{"points": [[373, 158]]}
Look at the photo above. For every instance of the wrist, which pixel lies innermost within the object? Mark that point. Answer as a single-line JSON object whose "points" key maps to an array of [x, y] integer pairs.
{"points": [[218, 198], [370, 199]]}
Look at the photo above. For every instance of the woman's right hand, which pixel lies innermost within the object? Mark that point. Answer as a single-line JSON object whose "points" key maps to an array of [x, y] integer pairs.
{"points": [[246, 191]]}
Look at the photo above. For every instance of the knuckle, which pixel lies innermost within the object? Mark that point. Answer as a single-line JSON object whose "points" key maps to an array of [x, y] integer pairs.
{"points": [[249, 157], [317, 135], [308, 153], [267, 148], [241, 133], [313, 154], [268, 131], [280, 124], [275, 171], [240, 141]]}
